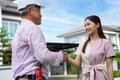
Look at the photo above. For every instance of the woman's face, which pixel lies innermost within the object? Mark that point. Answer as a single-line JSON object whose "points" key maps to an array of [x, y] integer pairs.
{"points": [[90, 27]]}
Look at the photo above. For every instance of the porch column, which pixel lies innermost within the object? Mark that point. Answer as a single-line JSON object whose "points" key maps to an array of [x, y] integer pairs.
{"points": [[0, 16], [49, 72], [117, 39], [1, 63], [65, 68]]}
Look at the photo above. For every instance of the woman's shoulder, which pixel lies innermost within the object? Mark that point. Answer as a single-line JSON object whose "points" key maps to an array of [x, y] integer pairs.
{"points": [[106, 41]]}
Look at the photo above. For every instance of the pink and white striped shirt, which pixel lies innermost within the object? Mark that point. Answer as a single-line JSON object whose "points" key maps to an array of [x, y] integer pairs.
{"points": [[29, 49]]}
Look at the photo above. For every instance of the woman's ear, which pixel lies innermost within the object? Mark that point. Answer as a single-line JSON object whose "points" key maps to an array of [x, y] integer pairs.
{"points": [[97, 25]]}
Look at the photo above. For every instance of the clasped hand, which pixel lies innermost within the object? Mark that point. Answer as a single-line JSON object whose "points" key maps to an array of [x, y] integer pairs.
{"points": [[65, 56]]}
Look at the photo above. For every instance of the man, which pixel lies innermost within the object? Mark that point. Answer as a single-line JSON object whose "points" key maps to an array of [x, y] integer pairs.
{"points": [[29, 47]]}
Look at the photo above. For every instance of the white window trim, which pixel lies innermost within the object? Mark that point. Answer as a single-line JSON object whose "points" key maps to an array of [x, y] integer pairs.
{"points": [[9, 26]]}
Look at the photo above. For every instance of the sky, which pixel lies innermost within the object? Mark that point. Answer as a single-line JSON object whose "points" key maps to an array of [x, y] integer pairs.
{"points": [[61, 16]]}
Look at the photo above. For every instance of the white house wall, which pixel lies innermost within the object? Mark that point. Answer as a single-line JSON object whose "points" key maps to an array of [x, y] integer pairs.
{"points": [[11, 17], [76, 38], [82, 36], [109, 32], [6, 73]]}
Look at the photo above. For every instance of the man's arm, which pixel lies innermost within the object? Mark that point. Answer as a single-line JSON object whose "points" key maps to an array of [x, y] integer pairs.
{"points": [[41, 51]]}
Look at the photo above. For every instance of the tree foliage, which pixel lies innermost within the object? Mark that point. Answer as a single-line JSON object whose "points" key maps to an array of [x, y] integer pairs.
{"points": [[5, 50], [70, 68], [117, 56], [117, 52]]}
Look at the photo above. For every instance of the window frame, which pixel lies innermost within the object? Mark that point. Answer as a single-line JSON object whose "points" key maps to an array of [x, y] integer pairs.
{"points": [[9, 27]]}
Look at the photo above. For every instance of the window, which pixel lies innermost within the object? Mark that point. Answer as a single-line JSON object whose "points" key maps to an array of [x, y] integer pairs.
{"points": [[11, 27], [113, 38]]}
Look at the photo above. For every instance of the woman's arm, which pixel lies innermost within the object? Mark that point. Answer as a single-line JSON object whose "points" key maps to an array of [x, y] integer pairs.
{"points": [[109, 66], [76, 61]]}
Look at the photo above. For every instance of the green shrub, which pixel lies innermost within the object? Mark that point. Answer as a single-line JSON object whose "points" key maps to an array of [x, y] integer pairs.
{"points": [[117, 73], [117, 56], [70, 68]]}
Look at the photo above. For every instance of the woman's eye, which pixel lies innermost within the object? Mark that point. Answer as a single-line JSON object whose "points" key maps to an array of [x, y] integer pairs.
{"points": [[88, 24]]}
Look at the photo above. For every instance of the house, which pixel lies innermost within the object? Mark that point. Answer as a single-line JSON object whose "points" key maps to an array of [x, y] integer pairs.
{"points": [[78, 34], [9, 18]]}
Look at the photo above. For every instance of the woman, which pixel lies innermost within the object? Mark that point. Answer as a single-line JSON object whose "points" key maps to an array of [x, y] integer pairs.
{"points": [[94, 52]]}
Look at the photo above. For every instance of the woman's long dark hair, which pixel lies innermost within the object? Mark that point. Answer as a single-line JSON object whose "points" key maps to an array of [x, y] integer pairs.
{"points": [[95, 19]]}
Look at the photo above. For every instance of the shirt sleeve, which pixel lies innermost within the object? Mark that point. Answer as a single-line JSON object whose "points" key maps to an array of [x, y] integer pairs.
{"points": [[41, 52], [79, 49], [109, 52]]}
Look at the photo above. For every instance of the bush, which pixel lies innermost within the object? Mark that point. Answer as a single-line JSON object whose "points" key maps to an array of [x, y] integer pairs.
{"points": [[70, 68], [117, 73], [117, 56]]}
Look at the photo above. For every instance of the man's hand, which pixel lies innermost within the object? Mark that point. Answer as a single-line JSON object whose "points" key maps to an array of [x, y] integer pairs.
{"points": [[65, 56]]}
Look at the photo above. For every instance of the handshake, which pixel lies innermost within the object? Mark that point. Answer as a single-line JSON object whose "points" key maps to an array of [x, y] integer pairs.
{"points": [[65, 56]]}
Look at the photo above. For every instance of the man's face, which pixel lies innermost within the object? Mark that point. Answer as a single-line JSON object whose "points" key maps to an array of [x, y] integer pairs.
{"points": [[36, 15]]}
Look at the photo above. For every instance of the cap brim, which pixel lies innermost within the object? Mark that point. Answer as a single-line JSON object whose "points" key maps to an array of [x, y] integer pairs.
{"points": [[42, 6]]}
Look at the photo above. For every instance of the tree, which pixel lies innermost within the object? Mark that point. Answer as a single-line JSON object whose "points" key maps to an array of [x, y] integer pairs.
{"points": [[117, 54], [5, 50]]}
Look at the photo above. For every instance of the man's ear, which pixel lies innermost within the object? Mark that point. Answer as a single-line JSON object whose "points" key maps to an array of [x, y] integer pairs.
{"points": [[29, 11]]}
